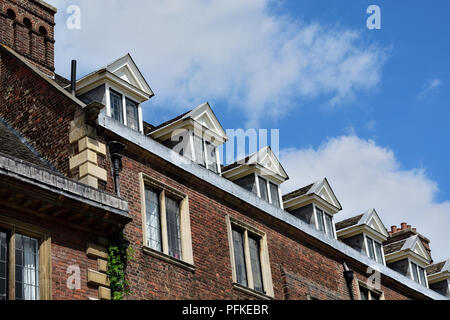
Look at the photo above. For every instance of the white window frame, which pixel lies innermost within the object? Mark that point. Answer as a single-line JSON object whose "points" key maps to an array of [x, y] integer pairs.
{"points": [[374, 249], [410, 266], [266, 272], [269, 195], [194, 159], [185, 224], [124, 106], [325, 225]]}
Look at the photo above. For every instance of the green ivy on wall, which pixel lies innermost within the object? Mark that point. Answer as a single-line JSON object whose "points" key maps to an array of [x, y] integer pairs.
{"points": [[120, 253]]}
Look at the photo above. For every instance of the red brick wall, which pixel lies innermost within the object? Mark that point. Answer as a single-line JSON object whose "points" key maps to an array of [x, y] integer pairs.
{"points": [[298, 266], [36, 109], [36, 47]]}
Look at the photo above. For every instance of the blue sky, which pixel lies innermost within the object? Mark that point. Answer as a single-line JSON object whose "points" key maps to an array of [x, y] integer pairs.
{"points": [[368, 109]]}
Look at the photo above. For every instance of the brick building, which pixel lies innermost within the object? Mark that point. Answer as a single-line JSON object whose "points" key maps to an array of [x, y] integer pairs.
{"points": [[77, 169]]}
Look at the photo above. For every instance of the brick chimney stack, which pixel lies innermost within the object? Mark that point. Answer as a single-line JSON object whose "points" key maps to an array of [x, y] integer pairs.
{"points": [[27, 26]]}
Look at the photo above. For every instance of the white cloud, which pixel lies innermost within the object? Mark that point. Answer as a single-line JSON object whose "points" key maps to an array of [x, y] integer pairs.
{"points": [[226, 50], [430, 88], [365, 175]]}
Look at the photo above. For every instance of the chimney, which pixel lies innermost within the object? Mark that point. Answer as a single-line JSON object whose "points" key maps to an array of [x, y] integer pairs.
{"points": [[27, 26]]}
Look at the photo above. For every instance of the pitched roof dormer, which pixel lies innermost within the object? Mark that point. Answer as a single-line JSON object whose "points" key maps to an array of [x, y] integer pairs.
{"points": [[201, 119], [439, 277], [319, 192], [121, 88], [364, 233], [315, 204], [411, 248], [123, 74], [196, 134], [260, 173], [264, 162], [368, 222]]}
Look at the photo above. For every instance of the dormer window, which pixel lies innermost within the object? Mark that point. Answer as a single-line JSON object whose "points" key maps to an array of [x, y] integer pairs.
{"points": [[365, 233], [315, 204], [260, 173], [269, 191], [324, 222], [374, 250], [418, 274], [195, 135], [121, 88], [124, 110], [116, 106], [132, 114], [205, 154]]}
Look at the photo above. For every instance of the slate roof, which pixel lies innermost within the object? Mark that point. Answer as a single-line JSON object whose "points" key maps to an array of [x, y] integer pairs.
{"points": [[393, 247], [435, 268], [12, 144], [348, 222], [61, 81], [297, 193], [170, 121]]}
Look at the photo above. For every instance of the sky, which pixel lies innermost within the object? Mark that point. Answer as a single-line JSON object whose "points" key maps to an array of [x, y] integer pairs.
{"points": [[366, 108]]}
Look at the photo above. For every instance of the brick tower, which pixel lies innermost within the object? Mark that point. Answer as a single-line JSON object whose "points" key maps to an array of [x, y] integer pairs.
{"points": [[27, 26]]}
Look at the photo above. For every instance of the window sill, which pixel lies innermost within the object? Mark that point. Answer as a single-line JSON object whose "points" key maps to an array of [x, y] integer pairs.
{"points": [[169, 259], [256, 294]]}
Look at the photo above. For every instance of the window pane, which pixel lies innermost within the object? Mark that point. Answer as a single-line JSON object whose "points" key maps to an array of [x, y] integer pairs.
{"points": [[320, 220], [199, 152], [422, 276], [3, 266], [263, 188], [329, 222], [239, 260], [275, 195], [374, 296], [173, 228], [116, 106], [248, 183], [414, 272], [370, 249], [211, 154], [132, 115], [256, 264], [27, 268], [153, 220], [364, 293], [379, 252]]}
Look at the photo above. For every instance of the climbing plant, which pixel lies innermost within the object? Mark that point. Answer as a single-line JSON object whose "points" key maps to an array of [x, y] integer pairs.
{"points": [[120, 253]]}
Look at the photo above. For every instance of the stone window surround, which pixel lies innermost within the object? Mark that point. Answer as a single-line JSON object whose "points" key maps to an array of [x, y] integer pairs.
{"points": [[360, 284], [45, 267], [187, 261], [264, 257]]}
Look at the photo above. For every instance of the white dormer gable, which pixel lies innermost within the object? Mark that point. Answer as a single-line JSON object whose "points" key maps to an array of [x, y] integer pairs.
{"points": [[204, 115], [125, 69], [122, 75], [323, 190], [201, 120], [268, 164], [371, 219], [415, 245]]}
